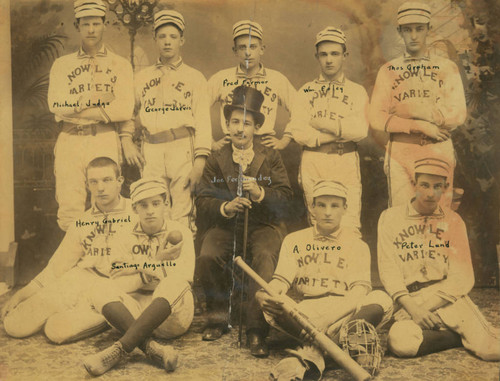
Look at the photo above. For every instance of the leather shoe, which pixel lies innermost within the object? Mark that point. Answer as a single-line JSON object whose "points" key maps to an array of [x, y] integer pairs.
{"points": [[257, 344], [213, 333]]}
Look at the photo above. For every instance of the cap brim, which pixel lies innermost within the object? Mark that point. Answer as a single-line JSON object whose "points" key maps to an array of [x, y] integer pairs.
{"points": [[330, 39], [148, 193], [90, 13], [258, 116], [179, 26], [246, 33], [414, 19], [327, 193]]}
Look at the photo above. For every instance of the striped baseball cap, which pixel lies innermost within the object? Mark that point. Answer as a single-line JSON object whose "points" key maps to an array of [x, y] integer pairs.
{"points": [[247, 28], [147, 187], [86, 8], [432, 166], [331, 34], [414, 12], [329, 188], [169, 17]]}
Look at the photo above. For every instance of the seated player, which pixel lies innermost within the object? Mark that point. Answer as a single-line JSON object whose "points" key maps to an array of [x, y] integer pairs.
{"points": [[425, 266], [329, 267], [56, 297], [163, 305], [222, 203]]}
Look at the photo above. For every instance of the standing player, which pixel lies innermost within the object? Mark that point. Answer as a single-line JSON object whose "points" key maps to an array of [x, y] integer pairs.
{"points": [[329, 267], [419, 99], [331, 120], [56, 297], [174, 112], [265, 181], [88, 91], [277, 90], [425, 266], [163, 306]]}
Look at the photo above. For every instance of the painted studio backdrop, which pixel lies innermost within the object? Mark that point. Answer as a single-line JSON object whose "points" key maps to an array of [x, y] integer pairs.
{"points": [[462, 30]]}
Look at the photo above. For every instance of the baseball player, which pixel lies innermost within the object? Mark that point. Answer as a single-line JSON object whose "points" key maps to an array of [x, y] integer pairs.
{"points": [[425, 266], [163, 306], [329, 267], [277, 90], [231, 172], [418, 99], [174, 112], [56, 298], [88, 91], [332, 119]]}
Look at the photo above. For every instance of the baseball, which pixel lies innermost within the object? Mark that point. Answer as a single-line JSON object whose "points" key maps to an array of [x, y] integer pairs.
{"points": [[174, 237]]}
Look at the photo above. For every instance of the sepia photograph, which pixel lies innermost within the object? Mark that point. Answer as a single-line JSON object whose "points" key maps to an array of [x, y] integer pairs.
{"points": [[250, 190]]}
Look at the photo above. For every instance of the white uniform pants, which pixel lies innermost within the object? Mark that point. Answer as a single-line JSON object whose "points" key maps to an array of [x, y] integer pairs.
{"points": [[318, 310], [344, 168], [68, 294], [72, 155], [173, 161], [462, 317], [178, 294]]}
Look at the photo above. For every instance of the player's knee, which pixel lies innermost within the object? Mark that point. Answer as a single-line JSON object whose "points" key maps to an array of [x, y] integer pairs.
{"points": [[171, 289], [18, 327], [56, 330], [380, 298], [405, 338], [98, 299]]}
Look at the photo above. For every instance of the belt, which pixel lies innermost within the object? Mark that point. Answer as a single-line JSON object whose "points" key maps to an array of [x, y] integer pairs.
{"points": [[415, 286], [167, 135], [420, 139], [338, 148], [86, 129], [321, 296]]}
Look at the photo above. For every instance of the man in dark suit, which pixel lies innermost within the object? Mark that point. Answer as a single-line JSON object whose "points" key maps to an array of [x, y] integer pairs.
{"points": [[241, 176]]}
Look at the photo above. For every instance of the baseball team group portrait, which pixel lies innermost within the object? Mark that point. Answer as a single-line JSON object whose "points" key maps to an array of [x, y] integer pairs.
{"points": [[250, 190]]}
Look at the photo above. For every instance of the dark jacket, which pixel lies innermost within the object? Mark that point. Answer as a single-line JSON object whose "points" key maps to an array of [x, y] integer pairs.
{"points": [[220, 183]]}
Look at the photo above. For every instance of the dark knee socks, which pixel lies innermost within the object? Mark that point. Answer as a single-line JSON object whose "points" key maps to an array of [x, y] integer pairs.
{"points": [[437, 341], [118, 316], [142, 328], [371, 313]]}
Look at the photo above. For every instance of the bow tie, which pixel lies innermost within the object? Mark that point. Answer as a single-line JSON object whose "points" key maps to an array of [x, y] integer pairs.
{"points": [[408, 58], [243, 157], [324, 238]]}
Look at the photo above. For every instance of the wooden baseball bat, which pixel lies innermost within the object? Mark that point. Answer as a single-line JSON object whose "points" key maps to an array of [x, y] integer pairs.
{"points": [[320, 339]]}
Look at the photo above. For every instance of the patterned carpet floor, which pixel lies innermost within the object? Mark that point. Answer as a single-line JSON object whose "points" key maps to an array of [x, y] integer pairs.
{"points": [[35, 359]]}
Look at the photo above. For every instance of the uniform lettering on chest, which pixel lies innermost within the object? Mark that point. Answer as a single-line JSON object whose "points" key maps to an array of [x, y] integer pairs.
{"points": [[333, 92], [320, 282], [98, 251], [423, 73], [99, 86], [415, 229]]}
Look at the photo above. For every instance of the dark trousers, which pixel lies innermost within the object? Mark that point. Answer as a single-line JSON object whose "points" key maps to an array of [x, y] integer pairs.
{"points": [[214, 263]]}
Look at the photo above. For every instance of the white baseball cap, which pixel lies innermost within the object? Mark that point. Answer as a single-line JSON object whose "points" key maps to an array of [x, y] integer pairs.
{"points": [[247, 28], [329, 188], [331, 34], [87, 8], [169, 17], [147, 187], [432, 166], [414, 12]]}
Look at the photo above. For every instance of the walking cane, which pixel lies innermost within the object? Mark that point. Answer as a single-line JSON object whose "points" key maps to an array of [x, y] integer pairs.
{"points": [[239, 192], [244, 256]]}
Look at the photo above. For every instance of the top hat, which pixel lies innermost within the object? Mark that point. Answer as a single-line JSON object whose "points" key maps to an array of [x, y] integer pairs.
{"points": [[248, 99]]}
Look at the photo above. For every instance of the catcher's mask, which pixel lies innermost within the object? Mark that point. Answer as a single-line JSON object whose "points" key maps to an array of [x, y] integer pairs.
{"points": [[359, 339]]}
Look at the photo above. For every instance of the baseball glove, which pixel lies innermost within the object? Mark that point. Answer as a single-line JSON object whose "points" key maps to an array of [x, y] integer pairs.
{"points": [[359, 339]]}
